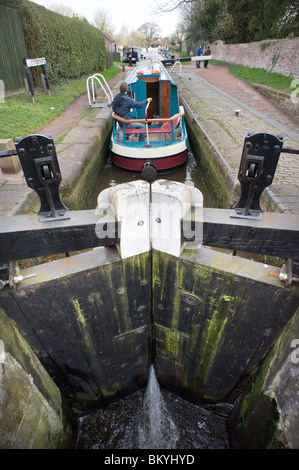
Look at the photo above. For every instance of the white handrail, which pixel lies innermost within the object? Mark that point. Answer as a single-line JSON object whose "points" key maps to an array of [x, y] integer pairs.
{"points": [[107, 92], [177, 62], [107, 86]]}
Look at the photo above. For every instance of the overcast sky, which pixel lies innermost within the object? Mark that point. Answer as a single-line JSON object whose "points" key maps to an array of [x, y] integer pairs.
{"points": [[130, 13]]}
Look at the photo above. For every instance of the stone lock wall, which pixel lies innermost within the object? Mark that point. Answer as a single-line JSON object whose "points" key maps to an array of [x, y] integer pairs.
{"points": [[32, 412], [276, 55]]}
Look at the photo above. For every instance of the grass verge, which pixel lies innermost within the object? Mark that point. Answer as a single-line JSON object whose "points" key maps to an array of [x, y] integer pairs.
{"points": [[20, 117], [254, 75], [258, 76]]}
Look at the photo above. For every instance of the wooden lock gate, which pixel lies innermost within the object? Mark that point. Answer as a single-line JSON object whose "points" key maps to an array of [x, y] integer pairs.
{"points": [[155, 277]]}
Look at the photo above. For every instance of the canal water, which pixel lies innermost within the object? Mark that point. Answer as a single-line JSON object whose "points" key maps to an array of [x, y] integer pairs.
{"points": [[188, 174], [154, 419]]}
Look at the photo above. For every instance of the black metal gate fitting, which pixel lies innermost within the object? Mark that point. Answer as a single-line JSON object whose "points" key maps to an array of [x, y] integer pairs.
{"points": [[41, 169], [257, 169]]}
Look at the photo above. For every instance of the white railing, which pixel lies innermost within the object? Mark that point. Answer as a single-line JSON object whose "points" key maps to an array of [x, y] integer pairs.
{"points": [[173, 126], [177, 62], [97, 77]]}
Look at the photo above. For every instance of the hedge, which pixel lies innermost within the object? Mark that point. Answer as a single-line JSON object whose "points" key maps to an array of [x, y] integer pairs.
{"points": [[71, 47]]}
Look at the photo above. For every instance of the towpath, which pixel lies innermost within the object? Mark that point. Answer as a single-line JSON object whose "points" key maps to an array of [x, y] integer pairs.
{"points": [[75, 133], [213, 95]]}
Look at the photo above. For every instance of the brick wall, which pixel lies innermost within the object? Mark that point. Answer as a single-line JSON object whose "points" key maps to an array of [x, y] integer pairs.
{"points": [[276, 55]]}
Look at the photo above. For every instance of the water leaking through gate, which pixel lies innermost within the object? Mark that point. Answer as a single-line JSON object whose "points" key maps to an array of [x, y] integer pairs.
{"points": [[154, 418]]}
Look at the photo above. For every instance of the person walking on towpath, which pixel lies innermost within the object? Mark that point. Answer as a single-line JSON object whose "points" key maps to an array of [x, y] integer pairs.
{"points": [[198, 53], [207, 52], [121, 105]]}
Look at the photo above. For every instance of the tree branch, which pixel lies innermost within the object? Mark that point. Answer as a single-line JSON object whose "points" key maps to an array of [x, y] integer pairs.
{"points": [[170, 5]]}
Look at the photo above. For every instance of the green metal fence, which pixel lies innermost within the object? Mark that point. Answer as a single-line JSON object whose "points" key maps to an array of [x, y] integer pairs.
{"points": [[12, 50], [112, 57]]}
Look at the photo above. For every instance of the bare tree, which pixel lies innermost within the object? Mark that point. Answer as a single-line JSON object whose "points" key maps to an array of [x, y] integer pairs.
{"points": [[128, 37], [170, 5], [137, 38], [150, 30], [180, 34], [102, 21], [64, 10], [123, 37]]}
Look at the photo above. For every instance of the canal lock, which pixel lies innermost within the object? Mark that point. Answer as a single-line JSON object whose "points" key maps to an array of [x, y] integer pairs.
{"points": [[175, 340]]}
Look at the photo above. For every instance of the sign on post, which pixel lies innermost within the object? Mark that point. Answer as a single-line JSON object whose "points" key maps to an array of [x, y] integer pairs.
{"points": [[28, 63]]}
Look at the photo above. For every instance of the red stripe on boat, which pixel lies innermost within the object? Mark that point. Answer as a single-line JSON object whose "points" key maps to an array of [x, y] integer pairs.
{"points": [[162, 163]]}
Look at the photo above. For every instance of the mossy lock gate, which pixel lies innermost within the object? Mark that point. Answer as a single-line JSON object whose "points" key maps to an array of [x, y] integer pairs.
{"points": [[97, 318]]}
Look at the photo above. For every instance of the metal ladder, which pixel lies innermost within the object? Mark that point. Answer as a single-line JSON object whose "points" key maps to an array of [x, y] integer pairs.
{"points": [[105, 87]]}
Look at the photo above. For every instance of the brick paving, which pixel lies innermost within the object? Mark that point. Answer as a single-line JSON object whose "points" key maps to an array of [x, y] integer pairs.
{"points": [[15, 195], [215, 109]]}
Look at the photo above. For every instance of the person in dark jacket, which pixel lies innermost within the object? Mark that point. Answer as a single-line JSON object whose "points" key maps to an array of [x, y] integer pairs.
{"points": [[207, 52], [122, 104]]}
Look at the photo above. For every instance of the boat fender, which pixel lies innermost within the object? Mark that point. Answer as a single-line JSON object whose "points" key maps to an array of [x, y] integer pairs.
{"points": [[156, 72], [140, 72], [149, 172]]}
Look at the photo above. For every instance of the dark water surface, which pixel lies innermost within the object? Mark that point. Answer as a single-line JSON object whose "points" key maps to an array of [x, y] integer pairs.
{"points": [[188, 173], [154, 419]]}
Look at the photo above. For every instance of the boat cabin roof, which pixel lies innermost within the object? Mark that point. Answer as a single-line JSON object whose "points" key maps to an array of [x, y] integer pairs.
{"points": [[149, 67], [150, 78]]}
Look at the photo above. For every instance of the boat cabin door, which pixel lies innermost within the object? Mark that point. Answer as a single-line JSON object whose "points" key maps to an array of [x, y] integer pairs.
{"points": [[159, 91], [153, 91], [165, 98]]}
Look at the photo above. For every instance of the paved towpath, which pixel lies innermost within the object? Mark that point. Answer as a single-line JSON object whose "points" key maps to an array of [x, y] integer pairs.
{"points": [[15, 196], [214, 96]]}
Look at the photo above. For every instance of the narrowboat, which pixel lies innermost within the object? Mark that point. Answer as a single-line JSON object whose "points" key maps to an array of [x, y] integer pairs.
{"points": [[166, 139], [133, 52]]}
